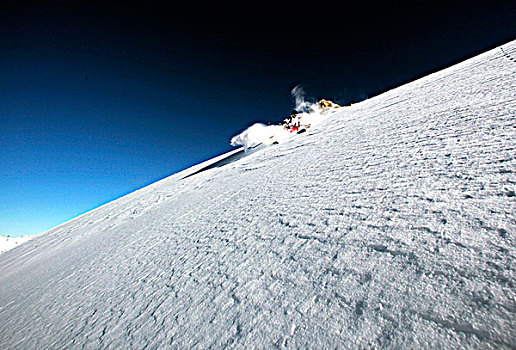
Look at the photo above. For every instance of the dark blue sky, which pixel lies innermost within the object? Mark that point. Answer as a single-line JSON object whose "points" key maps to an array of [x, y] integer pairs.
{"points": [[99, 100]]}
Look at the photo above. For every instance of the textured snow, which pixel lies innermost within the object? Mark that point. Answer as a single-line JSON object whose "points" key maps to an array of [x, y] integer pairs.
{"points": [[392, 225]]}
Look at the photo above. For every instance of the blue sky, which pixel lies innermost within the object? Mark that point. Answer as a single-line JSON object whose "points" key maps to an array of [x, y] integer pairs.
{"points": [[78, 131], [98, 101]]}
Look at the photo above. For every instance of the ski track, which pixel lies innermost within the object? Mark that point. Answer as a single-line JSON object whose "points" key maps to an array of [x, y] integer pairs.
{"points": [[390, 226]]}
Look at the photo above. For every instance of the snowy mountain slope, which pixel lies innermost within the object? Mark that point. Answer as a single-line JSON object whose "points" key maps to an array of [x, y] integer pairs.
{"points": [[392, 225], [8, 243]]}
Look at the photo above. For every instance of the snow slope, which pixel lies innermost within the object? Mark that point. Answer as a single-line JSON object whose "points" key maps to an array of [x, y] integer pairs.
{"points": [[8, 243], [390, 226]]}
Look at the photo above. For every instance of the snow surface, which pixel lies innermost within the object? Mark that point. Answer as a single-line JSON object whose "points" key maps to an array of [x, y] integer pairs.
{"points": [[8, 243], [392, 225]]}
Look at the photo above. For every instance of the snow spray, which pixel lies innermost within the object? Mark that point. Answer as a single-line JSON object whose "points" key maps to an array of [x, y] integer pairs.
{"points": [[298, 94]]}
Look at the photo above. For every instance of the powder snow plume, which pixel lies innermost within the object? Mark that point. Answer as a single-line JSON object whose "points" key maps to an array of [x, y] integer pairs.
{"points": [[258, 134], [305, 116], [298, 94]]}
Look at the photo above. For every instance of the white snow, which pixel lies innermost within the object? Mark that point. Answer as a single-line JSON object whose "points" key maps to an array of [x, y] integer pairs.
{"points": [[261, 134], [391, 225], [8, 243], [258, 134]]}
